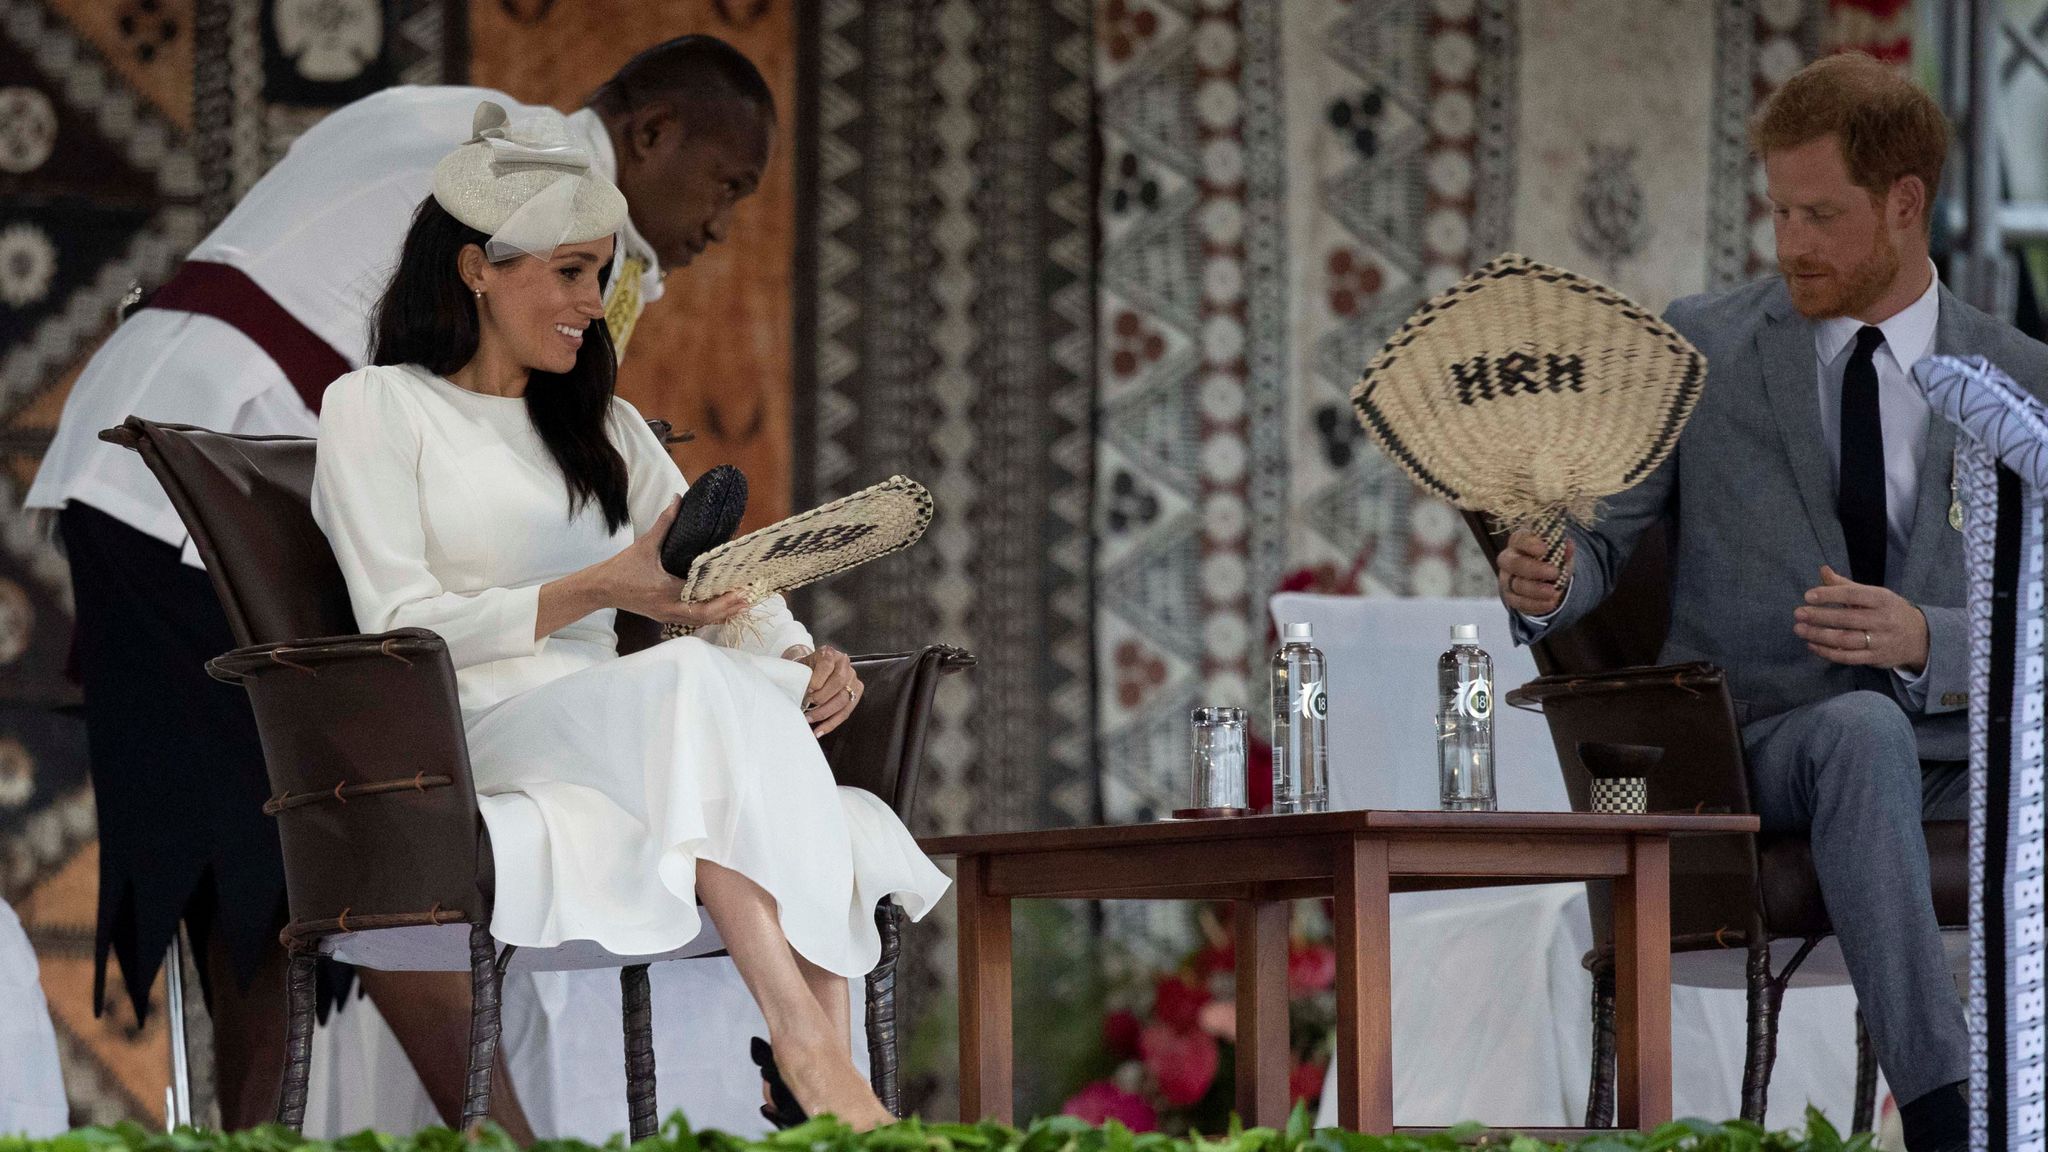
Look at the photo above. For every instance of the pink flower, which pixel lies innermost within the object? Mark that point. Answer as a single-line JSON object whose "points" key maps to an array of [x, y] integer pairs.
{"points": [[1182, 1061], [1177, 1001], [1219, 1019], [1305, 1082], [1120, 1032], [1103, 1101], [1311, 968]]}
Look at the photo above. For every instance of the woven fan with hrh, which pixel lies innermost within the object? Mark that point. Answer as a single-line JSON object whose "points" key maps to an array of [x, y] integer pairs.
{"points": [[1529, 394], [809, 546]]}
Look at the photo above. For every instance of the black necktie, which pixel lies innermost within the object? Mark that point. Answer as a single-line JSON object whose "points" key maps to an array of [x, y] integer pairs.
{"points": [[1859, 499]]}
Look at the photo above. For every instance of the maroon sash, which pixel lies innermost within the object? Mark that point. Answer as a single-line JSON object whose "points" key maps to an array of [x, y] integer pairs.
{"points": [[227, 294]]}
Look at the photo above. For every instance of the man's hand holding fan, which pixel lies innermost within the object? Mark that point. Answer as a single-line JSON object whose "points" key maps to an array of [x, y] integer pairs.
{"points": [[1529, 394]]}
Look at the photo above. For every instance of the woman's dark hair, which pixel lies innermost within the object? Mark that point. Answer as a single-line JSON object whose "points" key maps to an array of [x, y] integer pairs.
{"points": [[428, 317]]}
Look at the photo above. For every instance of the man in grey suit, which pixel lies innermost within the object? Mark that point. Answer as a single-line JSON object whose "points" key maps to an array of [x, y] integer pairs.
{"points": [[1816, 552]]}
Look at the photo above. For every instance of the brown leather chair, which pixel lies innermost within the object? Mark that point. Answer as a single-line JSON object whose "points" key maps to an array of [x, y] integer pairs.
{"points": [[1612, 713], [384, 850]]}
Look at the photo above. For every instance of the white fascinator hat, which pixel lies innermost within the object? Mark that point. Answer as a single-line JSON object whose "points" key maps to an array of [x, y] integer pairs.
{"points": [[526, 185]]}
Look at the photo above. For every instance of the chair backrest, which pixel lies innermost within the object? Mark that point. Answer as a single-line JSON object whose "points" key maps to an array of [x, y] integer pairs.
{"points": [[336, 715], [247, 502], [882, 754]]}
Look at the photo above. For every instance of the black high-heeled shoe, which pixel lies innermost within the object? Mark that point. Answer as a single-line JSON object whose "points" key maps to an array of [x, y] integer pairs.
{"points": [[785, 1112]]}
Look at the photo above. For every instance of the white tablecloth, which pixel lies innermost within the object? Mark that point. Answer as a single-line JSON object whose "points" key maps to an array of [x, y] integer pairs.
{"points": [[1492, 1009], [31, 1084]]}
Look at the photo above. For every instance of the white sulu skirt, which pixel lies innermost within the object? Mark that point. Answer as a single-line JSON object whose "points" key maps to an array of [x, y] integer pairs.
{"points": [[604, 786]]}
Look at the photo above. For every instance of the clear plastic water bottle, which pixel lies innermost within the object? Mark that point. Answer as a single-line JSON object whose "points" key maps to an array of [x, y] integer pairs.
{"points": [[1464, 723], [1301, 710]]}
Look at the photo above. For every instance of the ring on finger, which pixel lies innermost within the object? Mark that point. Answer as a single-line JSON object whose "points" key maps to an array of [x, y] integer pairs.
{"points": [[1866, 641]]}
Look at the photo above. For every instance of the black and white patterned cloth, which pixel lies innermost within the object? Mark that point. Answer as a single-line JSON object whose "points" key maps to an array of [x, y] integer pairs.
{"points": [[2001, 475]]}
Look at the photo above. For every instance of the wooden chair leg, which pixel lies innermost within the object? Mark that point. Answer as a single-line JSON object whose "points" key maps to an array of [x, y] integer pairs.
{"points": [[1600, 1088], [1866, 1079], [300, 1002], [1762, 1050], [638, 1001], [486, 970], [881, 1013], [1766, 996]]}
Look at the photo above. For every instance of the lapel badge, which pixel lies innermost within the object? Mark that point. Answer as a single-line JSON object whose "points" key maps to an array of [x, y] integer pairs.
{"points": [[1955, 498]]}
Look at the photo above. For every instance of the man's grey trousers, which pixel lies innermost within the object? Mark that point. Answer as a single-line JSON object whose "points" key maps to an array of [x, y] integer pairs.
{"points": [[1847, 772]]}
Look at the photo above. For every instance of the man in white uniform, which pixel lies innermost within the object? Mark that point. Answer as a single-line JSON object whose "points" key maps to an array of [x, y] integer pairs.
{"points": [[270, 308]]}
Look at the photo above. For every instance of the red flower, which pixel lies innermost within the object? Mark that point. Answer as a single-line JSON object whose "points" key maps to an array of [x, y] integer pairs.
{"points": [[1120, 1032], [1882, 9], [1103, 1101], [1311, 968], [1183, 1061], [1259, 764], [1177, 1001], [1214, 958], [1306, 1083]]}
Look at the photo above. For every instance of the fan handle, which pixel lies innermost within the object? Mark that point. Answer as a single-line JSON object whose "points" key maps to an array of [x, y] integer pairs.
{"points": [[1550, 526]]}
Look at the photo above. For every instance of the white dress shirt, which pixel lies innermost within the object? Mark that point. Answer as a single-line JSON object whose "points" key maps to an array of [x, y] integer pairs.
{"points": [[1902, 409], [320, 233]]}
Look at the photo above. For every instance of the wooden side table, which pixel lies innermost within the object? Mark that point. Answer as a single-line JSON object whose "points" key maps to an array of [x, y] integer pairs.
{"points": [[1359, 858]]}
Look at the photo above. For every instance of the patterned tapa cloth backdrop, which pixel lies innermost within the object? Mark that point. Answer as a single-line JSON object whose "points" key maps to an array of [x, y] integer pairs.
{"points": [[2002, 466], [126, 128], [1282, 185], [945, 316]]}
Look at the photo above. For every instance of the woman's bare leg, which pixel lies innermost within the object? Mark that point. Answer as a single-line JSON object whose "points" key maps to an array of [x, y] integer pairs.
{"points": [[812, 1047], [830, 989], [429, 1013]]}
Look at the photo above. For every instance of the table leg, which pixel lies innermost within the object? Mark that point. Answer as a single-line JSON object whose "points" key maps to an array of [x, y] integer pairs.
{"points": [[1642, 985], [985, 998], [1264, 1056], [1365, 1025]]}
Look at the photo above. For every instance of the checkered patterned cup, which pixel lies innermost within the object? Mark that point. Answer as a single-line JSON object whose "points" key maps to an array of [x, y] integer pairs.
{"points": [[1626, 794]]}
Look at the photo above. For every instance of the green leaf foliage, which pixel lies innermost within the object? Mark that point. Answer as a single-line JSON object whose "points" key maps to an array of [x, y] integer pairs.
{"points": [[1053, 1134]]}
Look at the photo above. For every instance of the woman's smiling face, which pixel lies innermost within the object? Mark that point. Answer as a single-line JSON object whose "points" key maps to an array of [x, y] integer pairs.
{"points": [[536, 312]]}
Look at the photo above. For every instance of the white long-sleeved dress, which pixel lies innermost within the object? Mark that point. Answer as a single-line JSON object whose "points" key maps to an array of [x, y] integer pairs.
{"points": [[603, 779]]}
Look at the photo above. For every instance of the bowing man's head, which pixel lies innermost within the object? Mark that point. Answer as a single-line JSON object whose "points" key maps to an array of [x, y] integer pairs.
{"points": [[1852, 152], [692, 123]]}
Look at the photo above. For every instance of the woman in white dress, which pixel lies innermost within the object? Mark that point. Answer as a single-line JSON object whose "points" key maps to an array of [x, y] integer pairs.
{"points": [[480, 479]]}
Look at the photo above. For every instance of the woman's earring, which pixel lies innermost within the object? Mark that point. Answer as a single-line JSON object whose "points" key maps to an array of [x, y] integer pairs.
{"points": [[479, 293]]}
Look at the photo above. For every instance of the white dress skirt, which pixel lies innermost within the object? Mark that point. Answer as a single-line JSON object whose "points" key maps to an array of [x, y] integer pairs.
{"points": [[603, 779]]}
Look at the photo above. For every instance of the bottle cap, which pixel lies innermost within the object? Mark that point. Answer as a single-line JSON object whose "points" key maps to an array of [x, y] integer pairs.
{"points": [[1464, 632], [1298, 631]]}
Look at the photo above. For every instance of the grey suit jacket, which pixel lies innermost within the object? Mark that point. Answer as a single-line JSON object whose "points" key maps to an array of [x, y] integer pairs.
{"points": [[1752, 511]]}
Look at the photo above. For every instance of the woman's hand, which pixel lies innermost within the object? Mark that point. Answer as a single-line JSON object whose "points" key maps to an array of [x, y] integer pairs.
{"points": [[635, 581], [835, 690], [644, 586]]}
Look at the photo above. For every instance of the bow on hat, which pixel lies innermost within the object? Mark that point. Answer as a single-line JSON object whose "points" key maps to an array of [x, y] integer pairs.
{"points": [[529, 187]]}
